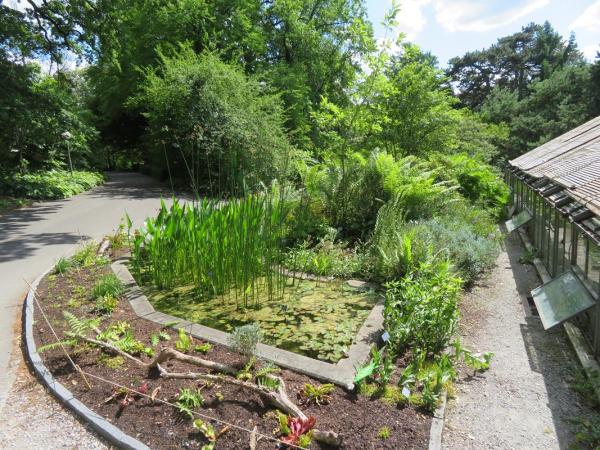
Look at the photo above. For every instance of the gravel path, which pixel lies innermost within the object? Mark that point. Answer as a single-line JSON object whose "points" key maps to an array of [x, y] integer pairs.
{"points": [[523, 401], [33, 419]]}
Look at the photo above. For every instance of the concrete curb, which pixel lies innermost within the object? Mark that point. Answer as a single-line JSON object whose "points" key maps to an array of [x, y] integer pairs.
{"points": [[102, 426], [582, 349], [437, 424], [341, 373]]}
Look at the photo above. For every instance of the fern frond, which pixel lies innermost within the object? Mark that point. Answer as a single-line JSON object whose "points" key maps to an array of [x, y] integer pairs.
{"points": [[58, 344]]}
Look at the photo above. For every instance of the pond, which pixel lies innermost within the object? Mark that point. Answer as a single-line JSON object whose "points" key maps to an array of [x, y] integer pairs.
{"points": [[318, 320]]}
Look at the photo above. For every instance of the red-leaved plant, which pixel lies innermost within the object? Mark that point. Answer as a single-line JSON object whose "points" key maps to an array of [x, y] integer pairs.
{"points": [[298, 427]]}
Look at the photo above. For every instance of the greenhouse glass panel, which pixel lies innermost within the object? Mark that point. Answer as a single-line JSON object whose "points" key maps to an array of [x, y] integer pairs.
{"points": [[518, 221], [594, 264], [561, 299], [581, 259]]}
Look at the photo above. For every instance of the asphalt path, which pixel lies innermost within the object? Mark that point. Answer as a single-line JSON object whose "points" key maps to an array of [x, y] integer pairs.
{"points": [[33, 238]]}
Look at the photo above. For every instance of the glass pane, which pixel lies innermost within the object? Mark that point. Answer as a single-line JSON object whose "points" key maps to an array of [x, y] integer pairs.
{"points": [[594, 265], [561, 299], [581, 254], [550, 248], [568, 242], [561, 263], [517, 221]]}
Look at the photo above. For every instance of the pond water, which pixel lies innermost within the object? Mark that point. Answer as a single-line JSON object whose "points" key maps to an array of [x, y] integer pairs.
{"points": [[319, 320]]}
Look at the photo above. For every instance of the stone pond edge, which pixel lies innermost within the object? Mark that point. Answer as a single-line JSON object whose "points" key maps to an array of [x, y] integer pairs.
{"points": [[341, 373], [98, 423]]}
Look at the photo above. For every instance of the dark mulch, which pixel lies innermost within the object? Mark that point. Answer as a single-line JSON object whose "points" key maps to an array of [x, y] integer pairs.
{"points": [[356, 418]]}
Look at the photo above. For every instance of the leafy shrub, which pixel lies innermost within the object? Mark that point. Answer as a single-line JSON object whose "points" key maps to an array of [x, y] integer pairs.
{"points": [[49, 185], [470, 253], [108, 285], [326, 258], [213, 123], [397, 246], [244, 339], [467, 237], [421, 309], [351, 192], [478, 182]]}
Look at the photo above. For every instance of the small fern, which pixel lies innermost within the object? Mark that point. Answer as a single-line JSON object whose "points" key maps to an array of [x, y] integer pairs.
{"points": [[58, 344], [79, 326]]}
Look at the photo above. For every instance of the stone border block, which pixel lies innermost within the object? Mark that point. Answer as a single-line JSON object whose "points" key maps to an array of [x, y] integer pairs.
{"points": [[102, 426], [340, 373]]}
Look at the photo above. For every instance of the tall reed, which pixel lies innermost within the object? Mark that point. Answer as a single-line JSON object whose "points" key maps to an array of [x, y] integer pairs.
{"points": [[228, 248]]}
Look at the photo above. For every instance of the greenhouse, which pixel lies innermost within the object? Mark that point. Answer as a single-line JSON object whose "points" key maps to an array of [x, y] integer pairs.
{"points": [[556, 198]]}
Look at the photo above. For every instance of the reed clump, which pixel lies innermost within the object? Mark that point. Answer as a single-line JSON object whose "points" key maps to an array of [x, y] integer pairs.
{"points": [[230, 248]]}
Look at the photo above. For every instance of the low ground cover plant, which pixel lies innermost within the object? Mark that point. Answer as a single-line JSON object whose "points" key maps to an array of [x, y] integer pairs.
{"points": [[49, 185]]}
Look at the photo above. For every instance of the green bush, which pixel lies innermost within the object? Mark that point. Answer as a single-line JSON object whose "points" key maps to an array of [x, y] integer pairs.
{"points": [[326, 258], [108, 285], [351, 192], [469, 252], [219, 129], [479, 182], [465, 235], [421, 309], [49, 185]]}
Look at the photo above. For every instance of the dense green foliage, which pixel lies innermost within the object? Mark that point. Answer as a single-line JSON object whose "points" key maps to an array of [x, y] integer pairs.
{"points": [[421, 308], [48, 185], [534, 81], [209, 123], [322, 151]]}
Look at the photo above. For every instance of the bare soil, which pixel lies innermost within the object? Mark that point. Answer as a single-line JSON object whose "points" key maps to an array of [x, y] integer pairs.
{"points": [[357, 419]]}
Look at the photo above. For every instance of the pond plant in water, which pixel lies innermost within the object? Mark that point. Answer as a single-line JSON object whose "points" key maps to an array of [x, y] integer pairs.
{"points": [[220, 248], [219, 264], [319, 321]]}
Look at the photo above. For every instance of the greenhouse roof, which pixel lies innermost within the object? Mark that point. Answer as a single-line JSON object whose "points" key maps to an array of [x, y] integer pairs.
{"points": [[571, 160]]}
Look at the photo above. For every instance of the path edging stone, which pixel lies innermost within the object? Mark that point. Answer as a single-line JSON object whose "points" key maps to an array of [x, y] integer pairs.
{"points": [[437, 424], [101, 425]]}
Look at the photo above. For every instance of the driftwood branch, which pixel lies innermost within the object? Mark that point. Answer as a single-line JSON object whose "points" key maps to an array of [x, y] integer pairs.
{"points": [[165, 355], [279, 398]]}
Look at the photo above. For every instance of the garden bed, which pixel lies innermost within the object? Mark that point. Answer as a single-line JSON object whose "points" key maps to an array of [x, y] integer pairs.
{"points": [[360, 421]]}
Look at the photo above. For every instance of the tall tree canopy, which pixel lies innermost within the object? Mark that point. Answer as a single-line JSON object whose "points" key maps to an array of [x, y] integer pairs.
{"points": [[535, 82], [532, 54]]}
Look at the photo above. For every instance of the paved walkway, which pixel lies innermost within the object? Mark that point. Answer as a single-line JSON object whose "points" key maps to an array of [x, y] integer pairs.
{"points": [[523, 401], [31, 239]]}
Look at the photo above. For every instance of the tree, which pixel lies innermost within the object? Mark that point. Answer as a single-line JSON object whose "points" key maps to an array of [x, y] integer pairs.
{"points": [[211, 124], [515, 61], [36, 109], [554, 106]]}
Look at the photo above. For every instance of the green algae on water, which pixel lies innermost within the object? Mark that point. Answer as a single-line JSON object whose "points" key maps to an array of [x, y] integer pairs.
{"points": [[318, 320]]}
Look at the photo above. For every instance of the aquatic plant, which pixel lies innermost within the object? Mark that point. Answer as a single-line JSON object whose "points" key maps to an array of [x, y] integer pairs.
{"points": [[231, 247]]}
